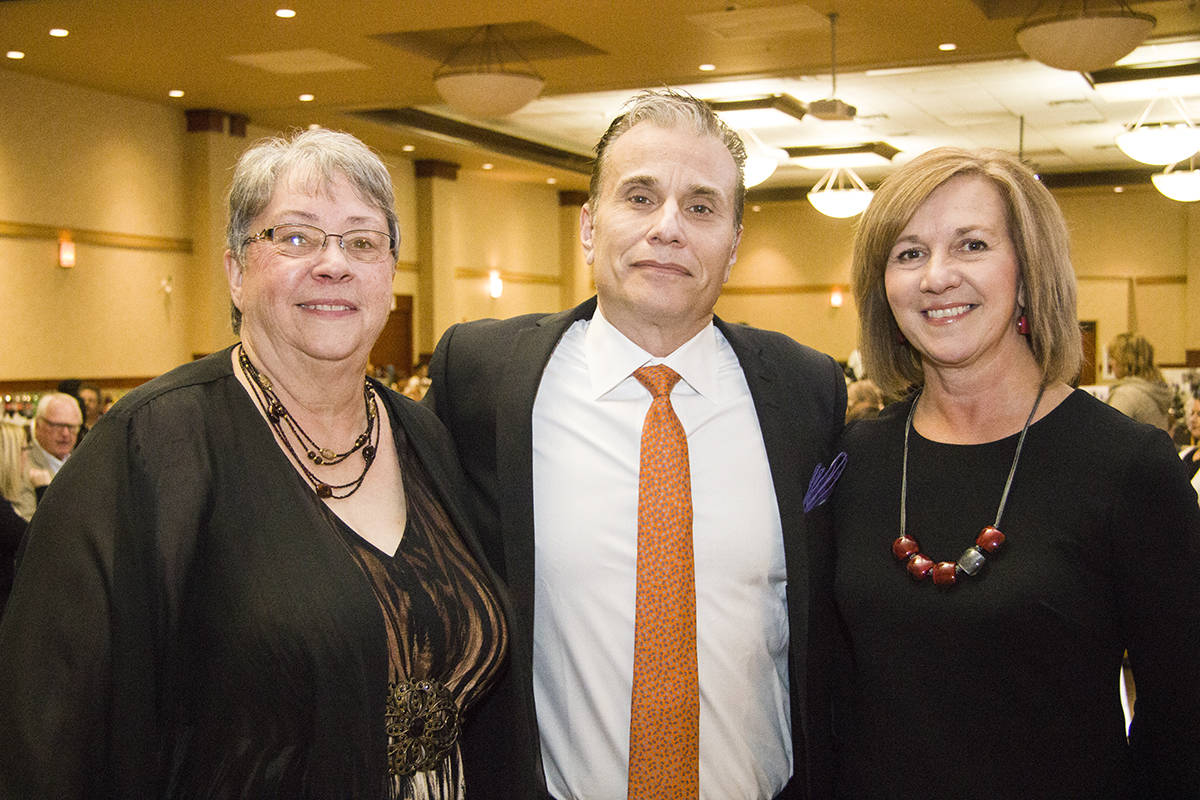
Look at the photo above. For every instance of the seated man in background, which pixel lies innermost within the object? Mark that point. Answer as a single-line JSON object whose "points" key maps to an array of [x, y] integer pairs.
{"points": [[56, 426]]}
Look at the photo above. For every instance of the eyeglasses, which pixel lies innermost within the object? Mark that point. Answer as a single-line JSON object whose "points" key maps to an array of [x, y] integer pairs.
{"points": [[63, 426], [302, 241]]}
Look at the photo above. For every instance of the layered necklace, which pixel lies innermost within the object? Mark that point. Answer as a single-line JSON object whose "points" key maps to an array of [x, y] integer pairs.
{"points": [[281, 422], [989, 540]]}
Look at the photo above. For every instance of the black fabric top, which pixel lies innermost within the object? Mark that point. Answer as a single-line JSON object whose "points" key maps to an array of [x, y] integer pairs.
{"points": [[1006, 684], [188, 620]]}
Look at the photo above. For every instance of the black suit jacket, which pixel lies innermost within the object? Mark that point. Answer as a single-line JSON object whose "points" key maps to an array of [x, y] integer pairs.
{"points": [[485, 376]]}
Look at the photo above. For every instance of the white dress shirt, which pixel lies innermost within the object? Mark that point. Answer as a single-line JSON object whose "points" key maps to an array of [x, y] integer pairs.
{"points": [[587, 424]]}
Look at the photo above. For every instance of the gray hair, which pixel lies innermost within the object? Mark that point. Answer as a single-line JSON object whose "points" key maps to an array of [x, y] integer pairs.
{"points": [[668, 108], [315, 157]]}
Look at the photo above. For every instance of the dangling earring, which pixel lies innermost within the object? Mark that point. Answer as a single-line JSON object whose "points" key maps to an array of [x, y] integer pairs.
{"points": [[1023, 325]]}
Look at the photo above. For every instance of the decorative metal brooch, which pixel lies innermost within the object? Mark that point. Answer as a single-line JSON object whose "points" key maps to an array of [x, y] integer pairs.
{"points": [[422, 725]]}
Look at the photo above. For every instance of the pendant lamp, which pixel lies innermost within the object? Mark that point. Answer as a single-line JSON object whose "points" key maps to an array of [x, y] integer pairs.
{"points": [[487, 76], [841, 193], [1182, 185], [1080, 37], [1160, 144]]}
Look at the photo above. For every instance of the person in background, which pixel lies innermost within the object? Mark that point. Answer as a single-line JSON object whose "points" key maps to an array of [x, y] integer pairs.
{"points": [[92, 403], [56, 425], [863, 400], [256, 579], [1001, 538], [1140, 391], [13, 470], [1190, 453], [637, 471]]}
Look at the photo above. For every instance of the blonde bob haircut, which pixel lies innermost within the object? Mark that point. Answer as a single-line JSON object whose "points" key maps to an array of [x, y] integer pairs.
{"points": [[1039, 235]]}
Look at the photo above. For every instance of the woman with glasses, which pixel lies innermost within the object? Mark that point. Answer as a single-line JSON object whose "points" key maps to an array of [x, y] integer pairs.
{"points": [[255, 578]]}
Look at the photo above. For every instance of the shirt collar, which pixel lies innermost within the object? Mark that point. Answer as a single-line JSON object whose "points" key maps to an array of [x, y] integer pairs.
{"points": [[54, 462], [612, 357]]}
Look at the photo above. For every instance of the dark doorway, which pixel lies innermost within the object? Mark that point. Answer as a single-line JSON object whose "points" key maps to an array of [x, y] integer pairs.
{"points": [[1087, 374], [395, 344]]}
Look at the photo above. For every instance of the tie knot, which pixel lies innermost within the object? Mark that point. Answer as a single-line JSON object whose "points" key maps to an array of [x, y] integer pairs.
{"points": [[659, 379]]}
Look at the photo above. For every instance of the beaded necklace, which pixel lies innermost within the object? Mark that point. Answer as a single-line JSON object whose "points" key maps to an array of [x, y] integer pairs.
{"points": [[278, 416], [945, 573]]}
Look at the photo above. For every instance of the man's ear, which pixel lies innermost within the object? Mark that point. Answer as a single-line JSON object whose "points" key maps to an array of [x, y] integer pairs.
{"points": [[737, 240], [586, 232]]}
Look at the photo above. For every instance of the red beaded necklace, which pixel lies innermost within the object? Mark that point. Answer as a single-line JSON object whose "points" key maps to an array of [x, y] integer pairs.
{"points": [[945, 573]]}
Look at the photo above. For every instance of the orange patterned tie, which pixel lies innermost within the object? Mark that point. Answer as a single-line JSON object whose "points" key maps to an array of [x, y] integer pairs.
{"points": [[664, 729]]}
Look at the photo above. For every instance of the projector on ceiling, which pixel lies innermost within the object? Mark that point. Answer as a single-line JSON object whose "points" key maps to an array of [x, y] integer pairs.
{"points": [[833, 110]]}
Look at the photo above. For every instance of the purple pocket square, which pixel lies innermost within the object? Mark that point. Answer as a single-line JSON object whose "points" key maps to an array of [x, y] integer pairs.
{"points": [[823, 479]]}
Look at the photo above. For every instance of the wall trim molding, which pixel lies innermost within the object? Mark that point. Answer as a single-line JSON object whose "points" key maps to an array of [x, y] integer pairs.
{"points": [[461, 273], [796, 288], [127, 241]]}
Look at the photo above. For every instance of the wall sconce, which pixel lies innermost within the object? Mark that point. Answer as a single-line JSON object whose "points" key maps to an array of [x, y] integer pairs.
{"points": [[66, 251], [835, 297], [495, 283]]}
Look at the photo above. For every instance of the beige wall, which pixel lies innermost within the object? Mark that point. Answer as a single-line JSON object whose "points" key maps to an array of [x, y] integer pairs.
{"points": [[72, 158], [123, 166]]}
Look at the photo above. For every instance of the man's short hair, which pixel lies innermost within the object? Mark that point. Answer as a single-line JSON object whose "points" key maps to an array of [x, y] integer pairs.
{"points": [[668, 108]]}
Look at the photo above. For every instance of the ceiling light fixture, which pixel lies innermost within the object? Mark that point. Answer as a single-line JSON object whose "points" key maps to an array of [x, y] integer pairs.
{"points": [[761, 159], [766, 111], [14, 54], [175, 93], [487, 76], [825, 157], [1082, 39], [1183, 186], [59, 33], [841, 193], [832, 109], [1160, 144]]}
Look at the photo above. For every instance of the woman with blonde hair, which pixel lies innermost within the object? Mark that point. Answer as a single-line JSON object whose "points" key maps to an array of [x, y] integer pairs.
{"points": [[1140, 391], [1001, 538]]}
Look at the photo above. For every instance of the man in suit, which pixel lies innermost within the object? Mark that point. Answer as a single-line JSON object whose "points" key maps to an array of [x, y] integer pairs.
{"points": [[548, 418]]}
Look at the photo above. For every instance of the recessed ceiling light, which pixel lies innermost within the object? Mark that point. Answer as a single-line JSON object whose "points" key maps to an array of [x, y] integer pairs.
{"points": [[551, 181], [707, 67], [59, 32], [175, 93], [15, 54], [408, 148], [488, 165], [1118, 189], [756, 209], [306, 98], [284, 13], [946, 47]]}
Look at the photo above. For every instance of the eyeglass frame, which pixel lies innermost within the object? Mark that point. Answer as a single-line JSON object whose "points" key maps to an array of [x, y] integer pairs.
{"points": [[268, 235], [67, 426]]}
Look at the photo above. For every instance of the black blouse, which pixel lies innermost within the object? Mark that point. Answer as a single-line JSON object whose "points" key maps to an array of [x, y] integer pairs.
{"points": [[1006, 684], [190, 620]]}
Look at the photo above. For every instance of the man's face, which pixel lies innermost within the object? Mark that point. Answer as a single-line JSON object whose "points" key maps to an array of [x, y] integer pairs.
{"points": [[91, 402], [662, 236], [57, 429]]}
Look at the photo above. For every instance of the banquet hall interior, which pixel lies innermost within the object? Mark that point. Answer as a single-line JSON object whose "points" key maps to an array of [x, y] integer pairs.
{"points": [[121, 122]]}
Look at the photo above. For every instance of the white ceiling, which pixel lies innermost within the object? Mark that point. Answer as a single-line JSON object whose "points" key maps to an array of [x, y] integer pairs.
{"points": [[239, 58]]}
